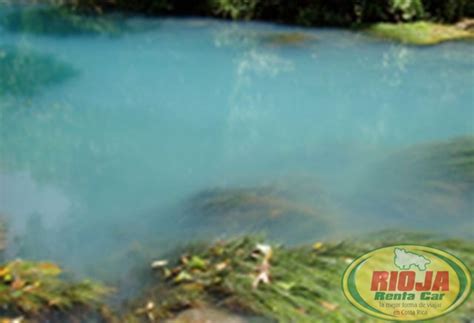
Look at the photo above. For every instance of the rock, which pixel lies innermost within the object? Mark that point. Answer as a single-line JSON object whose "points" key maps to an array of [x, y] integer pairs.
{"points": [[466, 24], [206, 315]]}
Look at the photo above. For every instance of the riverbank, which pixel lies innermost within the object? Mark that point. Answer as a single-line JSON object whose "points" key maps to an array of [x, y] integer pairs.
{"points": [[412, 25], [423, 33], [250, 277], [77, 178], [235, 280], [313, 13]]}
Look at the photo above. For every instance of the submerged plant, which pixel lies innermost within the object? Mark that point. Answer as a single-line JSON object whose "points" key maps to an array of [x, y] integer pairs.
{"points": [[35, 289], [434, 179], [287, 39], [302, 283], [267, 207], [58, 21], [24, 72]]}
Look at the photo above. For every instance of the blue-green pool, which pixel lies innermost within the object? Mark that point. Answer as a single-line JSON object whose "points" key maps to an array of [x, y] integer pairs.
{"points": [[96, 170]]}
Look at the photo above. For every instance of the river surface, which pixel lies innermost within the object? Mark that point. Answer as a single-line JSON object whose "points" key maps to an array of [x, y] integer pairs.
{"points": [[95, 171]]}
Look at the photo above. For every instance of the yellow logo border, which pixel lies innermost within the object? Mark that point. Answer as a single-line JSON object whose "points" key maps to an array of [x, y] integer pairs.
{"points": [[348, 289]]}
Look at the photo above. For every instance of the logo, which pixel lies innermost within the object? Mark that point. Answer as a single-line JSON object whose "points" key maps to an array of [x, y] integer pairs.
{"points": [[407, 283]]}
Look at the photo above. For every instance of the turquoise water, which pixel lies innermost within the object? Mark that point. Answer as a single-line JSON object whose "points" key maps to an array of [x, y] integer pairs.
{"points": [[96, 171]]}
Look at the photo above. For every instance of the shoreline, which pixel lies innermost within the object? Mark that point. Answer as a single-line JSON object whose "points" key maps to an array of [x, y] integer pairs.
{"points": [[420, 32], [217, 279]]}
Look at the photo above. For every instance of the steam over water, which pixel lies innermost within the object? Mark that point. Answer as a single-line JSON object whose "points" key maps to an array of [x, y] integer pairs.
{"points": [[99, 172]]}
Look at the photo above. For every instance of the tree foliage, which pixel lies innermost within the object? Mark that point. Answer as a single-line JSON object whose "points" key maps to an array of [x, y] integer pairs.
{"points": [[303, 12]]}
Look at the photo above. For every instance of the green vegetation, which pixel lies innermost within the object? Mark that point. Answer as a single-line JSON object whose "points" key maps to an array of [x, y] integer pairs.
{"points": [[142, 6], [318, 12], [235, 9], [407, 10], [419, 33], [299, 200], [449, 10], [242, 276], [225, 280], [303, 282], [389, 19], [313, 13], [35, 290], [261, 201], [435, 179], [24, 72]]}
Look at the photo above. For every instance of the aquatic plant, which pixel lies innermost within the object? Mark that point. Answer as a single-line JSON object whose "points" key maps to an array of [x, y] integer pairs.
{"points": [[427, 179], [35, 290], [58, 21], [24, 72], [285, 284], [264, 201], [418, 33], [254, 39], [287, 39], [267, 207]]}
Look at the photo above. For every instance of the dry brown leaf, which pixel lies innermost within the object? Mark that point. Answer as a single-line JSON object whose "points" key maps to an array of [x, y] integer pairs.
{"points": [[329, 306]]}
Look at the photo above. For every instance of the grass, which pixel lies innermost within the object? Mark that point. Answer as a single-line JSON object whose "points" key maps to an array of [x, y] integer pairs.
{"points": [[219, 278], [304, 281], [418, 33], [36, 290]]}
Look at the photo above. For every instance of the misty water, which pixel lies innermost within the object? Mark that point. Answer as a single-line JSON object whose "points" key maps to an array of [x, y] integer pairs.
{"points": [[97, 172]]}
